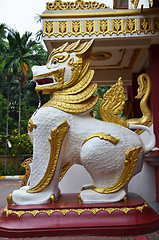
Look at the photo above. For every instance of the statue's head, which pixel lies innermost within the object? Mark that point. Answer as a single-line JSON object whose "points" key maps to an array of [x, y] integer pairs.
{"points": [[63, 67]]}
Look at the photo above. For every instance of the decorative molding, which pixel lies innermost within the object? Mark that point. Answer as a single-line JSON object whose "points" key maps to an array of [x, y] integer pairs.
{"points": [[100, 14], [145, 25], [89, 26], [62, 27], [79, 211], [131, 25], [76, 27], [78, 4], [118, 64], [156, 24], [101, 26], [117, 26], [49, 28]]}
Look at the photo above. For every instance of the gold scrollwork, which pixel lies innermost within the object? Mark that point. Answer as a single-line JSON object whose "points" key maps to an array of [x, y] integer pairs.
{"points": [[76, 27], [156, 24], [130, 162], [117, 26], [66, 166], [89, 27], [103, 26], [25, 164], [104, 136], [31, 125], [49, 27], [78, 4], [145, 25], [56, 140], [131, 25], [79, 211], [62, 27]]}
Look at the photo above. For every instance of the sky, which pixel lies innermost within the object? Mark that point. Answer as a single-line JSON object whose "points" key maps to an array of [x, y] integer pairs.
{"points": [[20, 14]]}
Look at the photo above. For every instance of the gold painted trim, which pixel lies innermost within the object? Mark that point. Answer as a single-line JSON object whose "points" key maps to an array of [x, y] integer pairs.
{"points": [[10, 200], [56, 140], [31, 125], [65, 168], [79, 211], [104, 136], [116, 13], [25, 164], [77, 5], [52, 198], [130, 162], [97, 27]]}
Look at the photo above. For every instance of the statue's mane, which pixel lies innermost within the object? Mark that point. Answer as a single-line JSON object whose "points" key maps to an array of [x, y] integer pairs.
{"points": [[80, 49], [77, 95]]}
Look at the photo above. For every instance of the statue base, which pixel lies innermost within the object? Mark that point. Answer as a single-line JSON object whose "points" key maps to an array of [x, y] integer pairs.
{"points": [[67, 217]]}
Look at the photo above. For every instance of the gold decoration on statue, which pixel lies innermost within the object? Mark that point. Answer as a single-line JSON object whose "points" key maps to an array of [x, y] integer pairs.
{"points": [[130, 162], [52, 198], [31, 125], [112, 104], [79, 211], [59, 76], [76, 95], [25, 164], [66, 166], [9, 199], [56, 140], [78, 4], [104, 136], [144, 91]]}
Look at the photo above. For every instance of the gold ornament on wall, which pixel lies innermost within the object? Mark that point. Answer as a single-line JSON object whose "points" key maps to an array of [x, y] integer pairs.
{"points": [[117, 26], [76, 27], [49, 27], [90, 27], [145, 25], [103, 26], [78, 4], [131, 25]]}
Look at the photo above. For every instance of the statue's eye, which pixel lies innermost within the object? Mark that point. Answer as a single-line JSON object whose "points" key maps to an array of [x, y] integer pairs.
{"points": [[55, 61]]}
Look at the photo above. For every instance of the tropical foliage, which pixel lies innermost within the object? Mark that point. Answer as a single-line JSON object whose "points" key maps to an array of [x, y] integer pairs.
{"points": [[18, 99]]}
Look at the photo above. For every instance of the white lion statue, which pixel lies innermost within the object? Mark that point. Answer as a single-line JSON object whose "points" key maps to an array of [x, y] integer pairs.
{"points": [[63, 132]]}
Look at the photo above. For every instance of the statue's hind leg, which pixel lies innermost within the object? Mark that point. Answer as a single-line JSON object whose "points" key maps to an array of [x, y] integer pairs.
{"points": [[109, 167]]}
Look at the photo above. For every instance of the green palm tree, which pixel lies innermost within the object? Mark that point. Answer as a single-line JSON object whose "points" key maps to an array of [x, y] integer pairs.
{"points": [[20, 54]]}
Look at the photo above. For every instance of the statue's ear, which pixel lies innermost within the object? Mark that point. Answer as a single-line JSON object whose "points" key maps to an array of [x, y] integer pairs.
{"points": [[84, 50]]}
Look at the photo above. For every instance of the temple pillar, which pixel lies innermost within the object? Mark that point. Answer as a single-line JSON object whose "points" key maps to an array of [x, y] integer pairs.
{"points": [[153, 157], [155, 3], [154, 74]]}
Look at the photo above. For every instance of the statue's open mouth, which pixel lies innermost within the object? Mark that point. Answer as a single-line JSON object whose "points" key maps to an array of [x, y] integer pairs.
{"points": [[44, 81]]}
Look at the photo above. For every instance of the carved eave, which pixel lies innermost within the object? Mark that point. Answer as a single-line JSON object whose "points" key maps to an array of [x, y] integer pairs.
{"points": [[124, 35]]}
